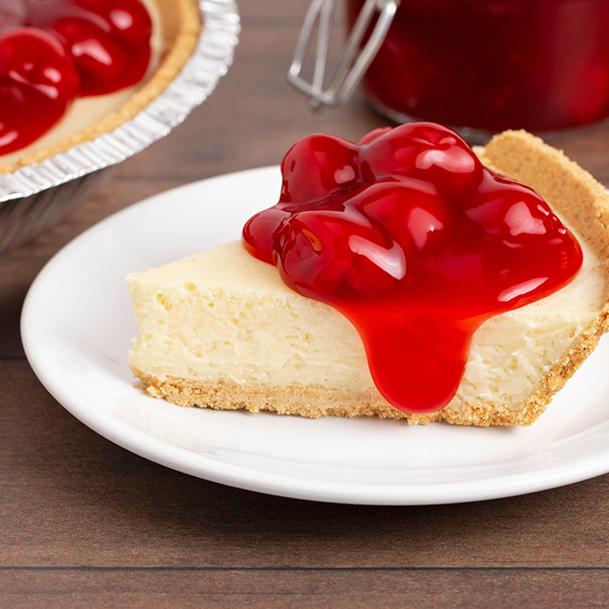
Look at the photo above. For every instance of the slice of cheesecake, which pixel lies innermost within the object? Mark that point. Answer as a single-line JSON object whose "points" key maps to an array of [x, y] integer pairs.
{"points": [[221, 330]]}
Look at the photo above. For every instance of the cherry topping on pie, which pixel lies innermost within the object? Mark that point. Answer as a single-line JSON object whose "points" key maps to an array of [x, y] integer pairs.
{"points": [[109, 40], [52, 51], [38, 81], [411, 238]]}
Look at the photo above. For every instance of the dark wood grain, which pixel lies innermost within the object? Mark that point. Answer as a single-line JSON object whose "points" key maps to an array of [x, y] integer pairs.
{"points": [[332, 588], [86, 523]]}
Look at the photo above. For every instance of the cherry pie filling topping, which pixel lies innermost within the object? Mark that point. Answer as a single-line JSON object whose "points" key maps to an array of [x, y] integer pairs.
{"points": [[53, 51], [411, 238]]}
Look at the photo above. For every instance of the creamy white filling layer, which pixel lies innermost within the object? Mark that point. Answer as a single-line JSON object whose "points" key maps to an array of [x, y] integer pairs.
{"points": [[223, 315]]}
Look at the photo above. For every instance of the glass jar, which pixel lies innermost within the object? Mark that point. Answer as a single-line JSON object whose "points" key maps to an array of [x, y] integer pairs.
{"points": [[540, 65], [477, 65]]}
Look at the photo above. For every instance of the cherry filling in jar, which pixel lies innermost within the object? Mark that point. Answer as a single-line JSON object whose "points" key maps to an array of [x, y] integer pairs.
{"points": [[413, 240], [540, 65], [53, 51]]}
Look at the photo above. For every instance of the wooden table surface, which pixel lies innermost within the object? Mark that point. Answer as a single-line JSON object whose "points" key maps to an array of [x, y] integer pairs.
{"points": [[84, 523]]}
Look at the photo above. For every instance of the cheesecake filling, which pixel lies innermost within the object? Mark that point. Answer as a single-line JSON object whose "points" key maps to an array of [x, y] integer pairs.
{"points": [[414, 241], [223, 316]]}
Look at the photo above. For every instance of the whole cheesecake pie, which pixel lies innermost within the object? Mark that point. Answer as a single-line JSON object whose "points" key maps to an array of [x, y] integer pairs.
{"points": [[72, 70], [416, 281]]}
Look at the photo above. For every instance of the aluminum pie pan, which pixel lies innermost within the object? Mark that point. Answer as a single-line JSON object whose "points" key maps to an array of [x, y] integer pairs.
{"points": [[35, 197]]}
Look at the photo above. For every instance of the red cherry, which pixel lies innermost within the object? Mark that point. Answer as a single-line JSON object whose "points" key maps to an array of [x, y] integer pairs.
{"points": [[316, 167], [109, 40], [99, 59], [259, 233], [38, 81], [404, 207], [424, 150], [128, 19], [339, 255]]}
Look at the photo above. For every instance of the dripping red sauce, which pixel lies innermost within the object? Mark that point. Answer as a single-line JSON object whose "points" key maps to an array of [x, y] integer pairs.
{"points": [[413, 240], [52, 51]]}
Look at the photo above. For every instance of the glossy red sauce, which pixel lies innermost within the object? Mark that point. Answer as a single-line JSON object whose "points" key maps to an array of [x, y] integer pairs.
{"points": [[56, 50], [495, 64], [416, 243]]}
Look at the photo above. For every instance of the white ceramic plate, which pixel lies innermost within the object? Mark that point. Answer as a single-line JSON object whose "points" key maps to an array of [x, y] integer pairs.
{"points": [[77, 328]]}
